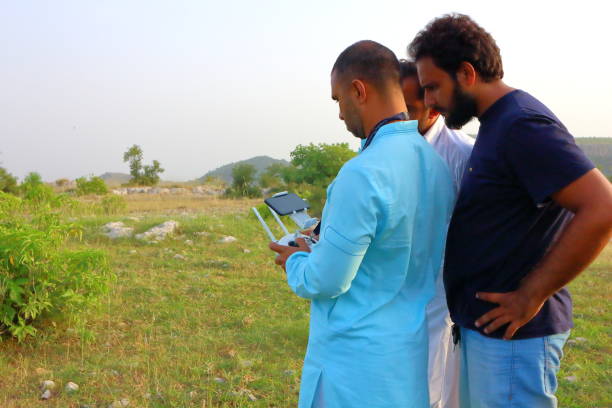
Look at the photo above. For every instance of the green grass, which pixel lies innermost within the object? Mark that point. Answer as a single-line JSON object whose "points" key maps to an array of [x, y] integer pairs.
{"points": [[221, 325]]}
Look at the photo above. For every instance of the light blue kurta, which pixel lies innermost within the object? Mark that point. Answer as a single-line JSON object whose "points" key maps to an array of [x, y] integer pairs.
{"points": [[372, 274]]}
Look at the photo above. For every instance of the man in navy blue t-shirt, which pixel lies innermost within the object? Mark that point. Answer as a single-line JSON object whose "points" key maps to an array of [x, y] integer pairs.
{"points": [[532, 213]]}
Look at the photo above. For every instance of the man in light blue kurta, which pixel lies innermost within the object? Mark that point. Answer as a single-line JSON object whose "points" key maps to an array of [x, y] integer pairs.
{"points": [[373, 271]]}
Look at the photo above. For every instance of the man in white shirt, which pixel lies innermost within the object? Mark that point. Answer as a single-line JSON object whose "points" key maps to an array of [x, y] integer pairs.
{"points": [[455, 148]]}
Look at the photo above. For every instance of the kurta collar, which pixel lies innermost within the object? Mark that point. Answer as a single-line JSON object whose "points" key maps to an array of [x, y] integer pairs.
{"points": [[403, 125]]}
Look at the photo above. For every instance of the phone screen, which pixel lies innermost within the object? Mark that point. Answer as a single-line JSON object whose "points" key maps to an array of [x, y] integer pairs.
{"points": [[286, 204]]}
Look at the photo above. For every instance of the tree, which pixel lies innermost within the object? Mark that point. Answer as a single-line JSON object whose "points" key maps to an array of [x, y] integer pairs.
{"points": [[318, 164], [147, 175], [8, 183], [242, 185], [272, 177], [312, 169]]}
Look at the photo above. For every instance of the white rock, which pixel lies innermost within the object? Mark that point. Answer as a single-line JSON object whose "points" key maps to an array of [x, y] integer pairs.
{"points": [[46, 395], [202, 234], [228, 239], [125, 402], [220, 380], [572, 378], [179, 256], [159, 232], [71, 387], [117, 230], [245, 363], [246, 251], [133, 251], [581, 339], [188, 242], [47, 385]]}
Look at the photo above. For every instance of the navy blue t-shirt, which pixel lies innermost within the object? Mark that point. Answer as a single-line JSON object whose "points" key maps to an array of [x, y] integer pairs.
{"points": [[504, 220]]}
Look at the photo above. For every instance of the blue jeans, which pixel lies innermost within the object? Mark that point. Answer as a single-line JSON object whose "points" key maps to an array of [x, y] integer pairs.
{"points": [[509, 373]]}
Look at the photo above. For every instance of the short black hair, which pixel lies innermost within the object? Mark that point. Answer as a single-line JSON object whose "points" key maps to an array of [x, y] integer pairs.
{"points": [[408, 69], [369, 61], [454, 38]]}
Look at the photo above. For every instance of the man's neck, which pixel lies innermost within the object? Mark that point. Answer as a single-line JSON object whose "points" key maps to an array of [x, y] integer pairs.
{"points": [[489, 93], [382, 111]]}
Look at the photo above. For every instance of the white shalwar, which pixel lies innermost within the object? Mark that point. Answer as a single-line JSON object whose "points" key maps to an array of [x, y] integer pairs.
{"points": [[455, 148]]}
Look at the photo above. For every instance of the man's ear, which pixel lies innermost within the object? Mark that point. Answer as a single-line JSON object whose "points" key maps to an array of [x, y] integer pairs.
{"points": [[359, 90], [466, 74]]}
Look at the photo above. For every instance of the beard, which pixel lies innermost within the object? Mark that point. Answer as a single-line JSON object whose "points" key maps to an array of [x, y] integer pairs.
{"points": [[462, 111], [353, 123]]}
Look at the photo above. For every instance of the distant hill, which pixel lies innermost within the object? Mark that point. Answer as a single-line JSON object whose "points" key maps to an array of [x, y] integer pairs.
{"points": [[261, 163], [115, 178], [599, 150]]}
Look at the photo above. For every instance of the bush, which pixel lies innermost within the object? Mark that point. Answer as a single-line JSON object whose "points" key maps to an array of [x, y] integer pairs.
{"points": [[243, 178], [38, 275], [8, 183], [35, 192], [93, 185]]}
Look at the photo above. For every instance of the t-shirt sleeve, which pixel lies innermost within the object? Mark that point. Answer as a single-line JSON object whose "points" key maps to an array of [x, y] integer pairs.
{"points": [[543, 156]]}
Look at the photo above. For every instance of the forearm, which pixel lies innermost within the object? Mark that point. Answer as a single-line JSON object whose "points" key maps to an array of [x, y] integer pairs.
{"points": [[326, 272], [583, 239]]}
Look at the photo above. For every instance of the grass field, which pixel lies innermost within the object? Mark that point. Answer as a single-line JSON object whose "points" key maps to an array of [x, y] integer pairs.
{"points": [[217, 325]]}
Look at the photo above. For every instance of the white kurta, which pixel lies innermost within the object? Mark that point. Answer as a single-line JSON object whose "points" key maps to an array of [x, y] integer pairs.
{"points": [[455, 148]]}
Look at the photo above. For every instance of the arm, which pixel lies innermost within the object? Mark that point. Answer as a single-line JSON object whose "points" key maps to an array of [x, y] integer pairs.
{"points": [[350, 217], [590, 199]]}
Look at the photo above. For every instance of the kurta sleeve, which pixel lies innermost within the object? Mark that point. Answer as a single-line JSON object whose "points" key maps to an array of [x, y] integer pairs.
{"points": [[350, 218]]}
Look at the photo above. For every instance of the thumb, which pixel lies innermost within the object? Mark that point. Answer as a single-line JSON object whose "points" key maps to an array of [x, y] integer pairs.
{"points": [[276, 247], [301, 243]]}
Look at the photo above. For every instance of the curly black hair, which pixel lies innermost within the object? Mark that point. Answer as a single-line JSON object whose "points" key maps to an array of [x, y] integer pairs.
{"points": [[454, 38]]}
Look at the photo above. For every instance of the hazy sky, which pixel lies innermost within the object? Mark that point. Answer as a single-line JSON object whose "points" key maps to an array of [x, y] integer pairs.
{"points": [[198, 84]]}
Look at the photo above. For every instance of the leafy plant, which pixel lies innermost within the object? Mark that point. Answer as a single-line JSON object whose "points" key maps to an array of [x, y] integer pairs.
{"points": [[243, 182], [93, 185], [38, 274], [8, 183]]}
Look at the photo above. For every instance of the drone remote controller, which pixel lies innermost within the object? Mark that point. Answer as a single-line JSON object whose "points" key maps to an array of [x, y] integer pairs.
{"points": [[288, 204]]}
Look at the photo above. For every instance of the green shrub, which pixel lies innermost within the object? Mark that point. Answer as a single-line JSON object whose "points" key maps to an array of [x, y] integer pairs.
{"points": [[243, 182], [38, 275], [93, 185], [8, 183], [36, 192]]}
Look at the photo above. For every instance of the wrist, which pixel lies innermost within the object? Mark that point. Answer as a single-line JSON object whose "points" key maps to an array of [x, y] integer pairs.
{"points": [[533, 291]]}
